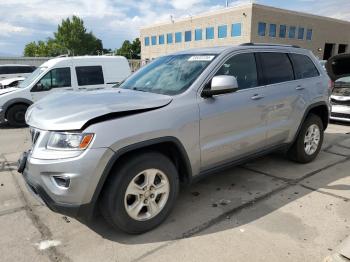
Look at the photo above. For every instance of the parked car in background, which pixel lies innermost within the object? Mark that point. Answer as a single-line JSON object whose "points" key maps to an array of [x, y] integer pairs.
{"points": [[338, 68], [11, 82], [62, 74], [16, 70], [179, 118], [341, 100]]}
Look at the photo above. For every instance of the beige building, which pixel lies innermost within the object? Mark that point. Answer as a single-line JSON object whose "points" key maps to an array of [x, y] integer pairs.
{"points": [[244, 24]]}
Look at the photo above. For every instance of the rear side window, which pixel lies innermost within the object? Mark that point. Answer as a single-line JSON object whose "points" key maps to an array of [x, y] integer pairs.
{"points": [[16, 69], [3, 70], [89, 75], [276, 68], [243, 67], [303, 66]]}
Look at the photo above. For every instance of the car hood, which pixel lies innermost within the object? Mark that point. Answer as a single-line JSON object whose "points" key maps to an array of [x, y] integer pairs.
{"points": [[74, 110], [8, 90]]}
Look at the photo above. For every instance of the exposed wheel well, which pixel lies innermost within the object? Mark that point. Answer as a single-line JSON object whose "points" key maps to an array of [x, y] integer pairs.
{"points": [[15, 104], [322, 112]]}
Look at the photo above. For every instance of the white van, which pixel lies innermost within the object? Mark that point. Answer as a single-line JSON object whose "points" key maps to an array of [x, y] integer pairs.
{"points": [[15, 70], [61, 74]]}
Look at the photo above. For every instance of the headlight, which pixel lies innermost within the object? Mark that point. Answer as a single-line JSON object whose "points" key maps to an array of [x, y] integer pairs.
{"points": [[69, 141]]}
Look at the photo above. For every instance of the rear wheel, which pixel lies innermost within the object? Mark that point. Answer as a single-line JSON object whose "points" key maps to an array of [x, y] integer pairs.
{"points": [[16, 115], [141, 193], [309, 141]]}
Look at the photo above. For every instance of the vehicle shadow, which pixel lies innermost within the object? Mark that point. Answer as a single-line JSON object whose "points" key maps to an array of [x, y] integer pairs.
{"points": [[222, 197]]}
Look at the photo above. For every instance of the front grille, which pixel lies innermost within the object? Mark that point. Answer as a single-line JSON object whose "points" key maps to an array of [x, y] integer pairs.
{"points": [[34, 133], [339, 102], [340, 115]]}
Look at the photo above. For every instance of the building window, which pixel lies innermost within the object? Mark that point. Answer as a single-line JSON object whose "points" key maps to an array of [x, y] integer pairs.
{"points": [[301, 33], [236, 30], [261, 29], [309, 34], [188, 36], [146, 41], [154, 40], [198, 34], [209, 33], [222, 31], [178, 37], [169, 38], [161, 39], [283, 31], [292, 32], [272, 32]]}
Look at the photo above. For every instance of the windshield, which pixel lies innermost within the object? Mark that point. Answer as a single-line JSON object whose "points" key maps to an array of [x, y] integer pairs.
{"points": [[169, 75], [31, 77]]}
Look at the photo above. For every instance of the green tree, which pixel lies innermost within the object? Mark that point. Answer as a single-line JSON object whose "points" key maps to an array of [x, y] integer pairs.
{"points": [[130, 50], [71, 38]]}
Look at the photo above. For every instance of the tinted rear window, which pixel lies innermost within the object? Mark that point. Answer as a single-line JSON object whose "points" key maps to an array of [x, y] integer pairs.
{"points": [[89, 75], [303, 66], [276, 68], [16, 69]]}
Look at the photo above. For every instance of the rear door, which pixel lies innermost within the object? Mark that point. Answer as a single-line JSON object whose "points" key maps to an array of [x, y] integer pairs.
{"points": [[285, 96], [233, 125]]}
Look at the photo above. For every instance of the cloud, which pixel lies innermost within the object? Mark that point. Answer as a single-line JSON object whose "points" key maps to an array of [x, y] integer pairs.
{"points": [[113, 21], [184, 4], [8, 29]]}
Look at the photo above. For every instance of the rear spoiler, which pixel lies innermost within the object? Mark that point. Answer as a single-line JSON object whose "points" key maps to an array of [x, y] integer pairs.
{"points": [[338, 66]]}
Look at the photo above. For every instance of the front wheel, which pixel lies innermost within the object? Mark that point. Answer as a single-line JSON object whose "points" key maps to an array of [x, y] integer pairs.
{"points": [[309, 141], [141, 193], [16, 115]]}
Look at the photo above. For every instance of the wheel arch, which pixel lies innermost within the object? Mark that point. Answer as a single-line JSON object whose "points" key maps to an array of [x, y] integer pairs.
{"points": [[169, 146], [16, 101], [320, 109]]}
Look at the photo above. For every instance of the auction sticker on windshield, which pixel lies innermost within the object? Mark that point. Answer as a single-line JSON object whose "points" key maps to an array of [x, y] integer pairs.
{"points": [[201, 58]]}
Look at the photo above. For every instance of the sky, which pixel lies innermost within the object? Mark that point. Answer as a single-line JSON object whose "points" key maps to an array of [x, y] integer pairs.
{"points": [[113, 21]]}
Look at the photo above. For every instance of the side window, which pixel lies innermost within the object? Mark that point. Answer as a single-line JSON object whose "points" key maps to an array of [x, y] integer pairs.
{"points": [[243, 67], [2, 70], [89, 75], [27, 69], [303, 66], [14, 70], [56, 78], [276, 68]]}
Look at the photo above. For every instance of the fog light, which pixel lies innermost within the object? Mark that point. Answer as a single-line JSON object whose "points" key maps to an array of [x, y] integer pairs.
{"points": [[61, 181]]}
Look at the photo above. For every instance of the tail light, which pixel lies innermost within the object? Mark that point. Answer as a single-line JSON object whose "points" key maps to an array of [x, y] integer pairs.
{"points": [[331, 85]]}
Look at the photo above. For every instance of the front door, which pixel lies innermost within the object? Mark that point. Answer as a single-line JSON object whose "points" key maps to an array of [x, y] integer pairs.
{"points": [[57, 79], [233, 125]]}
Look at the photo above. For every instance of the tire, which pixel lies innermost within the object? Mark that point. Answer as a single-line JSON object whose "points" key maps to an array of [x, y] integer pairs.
{"points": [[299, 152], [16, 115], [116, 202]]}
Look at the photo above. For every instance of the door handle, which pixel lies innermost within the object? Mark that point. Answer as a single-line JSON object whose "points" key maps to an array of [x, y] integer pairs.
{"points": [[300, 87], [257, 97]]}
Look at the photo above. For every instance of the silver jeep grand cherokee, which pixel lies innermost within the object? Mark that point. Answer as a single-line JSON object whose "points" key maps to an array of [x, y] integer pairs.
{"points": [[185, 115]]}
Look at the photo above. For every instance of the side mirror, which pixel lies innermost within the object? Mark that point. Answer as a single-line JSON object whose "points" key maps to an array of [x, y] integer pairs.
{"points": [[39, 86], [221, 85]]}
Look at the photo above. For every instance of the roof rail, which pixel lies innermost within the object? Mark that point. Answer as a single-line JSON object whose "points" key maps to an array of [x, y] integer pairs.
{"points": [[268, 44]]}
